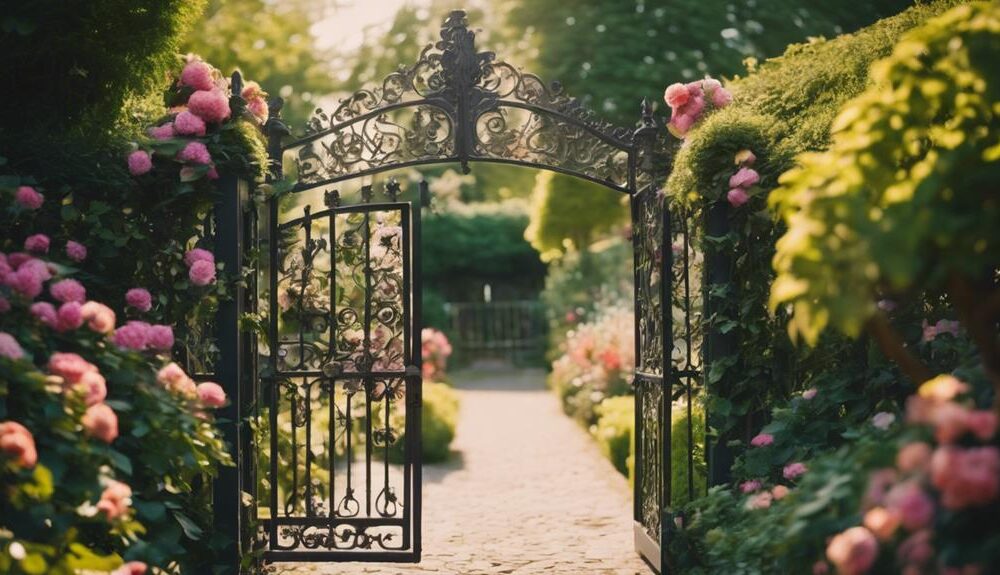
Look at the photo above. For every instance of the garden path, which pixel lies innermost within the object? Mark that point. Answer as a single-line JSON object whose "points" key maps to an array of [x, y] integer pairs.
{"points": [[526, 493]]}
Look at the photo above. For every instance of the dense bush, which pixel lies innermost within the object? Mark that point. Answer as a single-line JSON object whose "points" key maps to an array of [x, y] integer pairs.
{"points": [[439, 419], [614, 429]]}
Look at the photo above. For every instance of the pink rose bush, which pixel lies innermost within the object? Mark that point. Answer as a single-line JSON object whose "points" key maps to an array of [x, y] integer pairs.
{"points": [[435, 350], [689, 102], [743, 180], [201, 267]]}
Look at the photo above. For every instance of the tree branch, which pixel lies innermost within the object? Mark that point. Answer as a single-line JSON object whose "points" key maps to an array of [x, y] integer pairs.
{"points": [[895, 349]]}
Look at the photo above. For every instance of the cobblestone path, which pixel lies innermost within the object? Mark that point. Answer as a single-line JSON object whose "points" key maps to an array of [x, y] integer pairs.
{"points": [[526, 493]]}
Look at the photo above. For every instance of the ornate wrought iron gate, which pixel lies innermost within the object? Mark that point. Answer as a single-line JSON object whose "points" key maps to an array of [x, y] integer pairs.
{"points": [[343, 383]]}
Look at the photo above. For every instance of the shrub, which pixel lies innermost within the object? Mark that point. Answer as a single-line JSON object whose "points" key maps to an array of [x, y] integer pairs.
{"points": [[439, 419], [613, 430], [435, 349]]}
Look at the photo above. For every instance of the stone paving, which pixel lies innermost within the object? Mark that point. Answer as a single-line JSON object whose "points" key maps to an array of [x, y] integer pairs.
{"points": [[527, 492]]}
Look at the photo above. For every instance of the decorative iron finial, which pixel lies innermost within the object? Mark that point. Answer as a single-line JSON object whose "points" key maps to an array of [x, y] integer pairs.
{"points": [[331, 199], [425, 194], [366, 194], [647, 113], [236, 84], [392, 190]]}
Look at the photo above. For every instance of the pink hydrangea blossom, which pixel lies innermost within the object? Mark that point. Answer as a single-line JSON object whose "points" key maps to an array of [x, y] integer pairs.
{"points": [[76, 251], [45, 313], [198, 75], [134, 335], [762, 440], [17, 443], [914, 456], [794, 470], [737, 197], [196, 153], [131, 568], [751, 486], [115, 500], [853, 552], [9, 347], [26, 282], [162, 132], [212, 105], [911, 504], [28, 198], [139, 298], [160, 337], [721, 97], [68, 290], [69, 316], [188, 124], [139, 163], [201, 273], [810, 393], [676, 95], [681, 123], [744, 178], [17, 259], [38, 243], [881, 522], [99, 317], [211, 394], [258, 107], [966, 477], [100, 422]]}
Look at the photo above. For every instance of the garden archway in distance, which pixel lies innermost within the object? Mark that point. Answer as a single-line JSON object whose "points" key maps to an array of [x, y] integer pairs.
{"points": [[346, 346]]}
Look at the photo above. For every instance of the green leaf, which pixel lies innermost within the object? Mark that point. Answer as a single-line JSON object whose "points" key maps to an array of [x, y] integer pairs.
{"points": [[190, 528]]}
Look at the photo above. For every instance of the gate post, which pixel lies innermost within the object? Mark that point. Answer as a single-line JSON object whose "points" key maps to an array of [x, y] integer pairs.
{"points": [[230, 370]]}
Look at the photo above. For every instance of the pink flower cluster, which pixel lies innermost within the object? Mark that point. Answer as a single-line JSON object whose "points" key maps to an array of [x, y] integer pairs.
{"points": [[943, 326], [762, 440], [17, 444], [131, 568], [173, 378], [28, 198], [598, 353], [80, 376], [9, 347], [688, 102], [140, 299], [116, 500], [201, 266], [256, 100], [744, 178], [905, 498], [141, 336], [435, 350]]}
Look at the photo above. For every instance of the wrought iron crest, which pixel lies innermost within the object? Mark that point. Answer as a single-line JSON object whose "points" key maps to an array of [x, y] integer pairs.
{"points": [[458, 104]]}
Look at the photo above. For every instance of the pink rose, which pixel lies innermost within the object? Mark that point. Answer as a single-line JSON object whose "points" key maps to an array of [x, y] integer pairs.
{"points": [[69, 366], [17, 259], [9, 347], [950, 422], [810, 393], [721, 97], [751, 486], [258, 107], [198, 75], [68, 290], [681, 123], [211, 394], [252, 91], [139, 299], [744, 178], [17, 443], [879, 481], [76, 251], [198, 254], [914, 508], [881, 522], [188, 124], [131, 568], [914, 456], [794, 470], [99, 317], [28, 198], [737, 197], [201, 273], [115, 500], [139, 163], [173, 378], [161, 337], [133, 335], [966, 477], [196, 153], [676, 95], [100, 422], [45, 313], [779, 492], [211, 104], [163, 132], [853, 552], [762, 440], [982, 423], [761, 500], [93, 386], [69, 316], [38, 243]]}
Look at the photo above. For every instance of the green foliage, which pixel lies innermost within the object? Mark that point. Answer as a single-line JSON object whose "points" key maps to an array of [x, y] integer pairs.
{"points": [[681, 492], [612, 53], [468, 246], [271, 43], [78, 63], [613, 430], [904, 193], [568, 212], [439, 419]]}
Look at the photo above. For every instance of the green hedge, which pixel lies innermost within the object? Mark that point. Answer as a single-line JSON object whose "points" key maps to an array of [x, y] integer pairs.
{"points": [[438, 423]]}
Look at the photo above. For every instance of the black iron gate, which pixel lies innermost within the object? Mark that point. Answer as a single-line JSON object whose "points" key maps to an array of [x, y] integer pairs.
{"points": [[339, 426], [344, 380]]}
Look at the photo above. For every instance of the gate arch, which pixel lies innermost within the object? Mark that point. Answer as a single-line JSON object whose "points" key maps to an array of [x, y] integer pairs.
{"points": [[460, 105]]}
